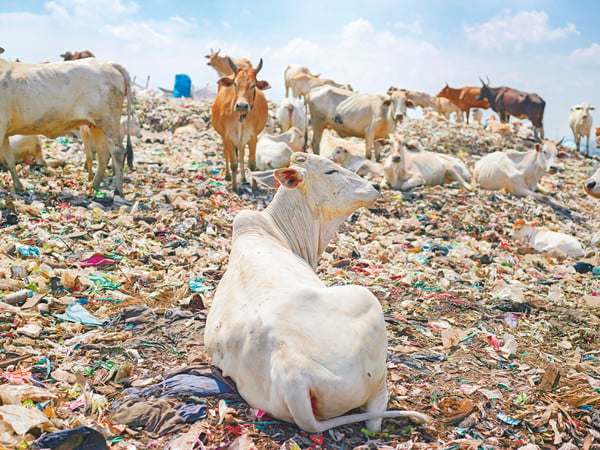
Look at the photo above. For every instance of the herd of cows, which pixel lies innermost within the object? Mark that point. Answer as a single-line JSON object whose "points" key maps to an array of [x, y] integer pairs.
{"points": [[256, 329]]}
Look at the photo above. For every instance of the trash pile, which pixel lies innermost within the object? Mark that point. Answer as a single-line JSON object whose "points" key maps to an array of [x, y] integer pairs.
{"points": [[102, 305]]}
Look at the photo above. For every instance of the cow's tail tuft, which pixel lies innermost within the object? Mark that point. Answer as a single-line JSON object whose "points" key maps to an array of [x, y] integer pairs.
{"points": [[129, 93]]}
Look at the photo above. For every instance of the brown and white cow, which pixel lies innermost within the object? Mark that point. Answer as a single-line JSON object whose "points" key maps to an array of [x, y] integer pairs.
{"points": [[290, 70], [465, 98], [368, 116], [445, 108], [54, 98], [419, 98], [256, 329], [303, 83], [221, 63], [517, 172], [239, 114], [68, 56]]}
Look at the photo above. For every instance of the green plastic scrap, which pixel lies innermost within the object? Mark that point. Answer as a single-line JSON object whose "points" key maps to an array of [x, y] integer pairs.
{"points": [[103, 282]]}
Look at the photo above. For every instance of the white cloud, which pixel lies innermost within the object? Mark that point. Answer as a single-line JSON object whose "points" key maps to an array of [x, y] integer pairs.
{"points": [[93, 8], [226, 24], [140, 33], [516, 30], [590, 54], [414, 27]]}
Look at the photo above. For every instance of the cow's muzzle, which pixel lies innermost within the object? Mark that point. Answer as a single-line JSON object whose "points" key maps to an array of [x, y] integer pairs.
{"points": [[242, 107], [396, 158], [552, 169], [591, 185], [377, 187], [399, 117]]}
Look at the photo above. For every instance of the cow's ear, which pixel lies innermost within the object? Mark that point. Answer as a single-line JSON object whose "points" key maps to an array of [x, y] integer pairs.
{"points": [[265, 178], [410, 104], [288, 177], [538, 147], [225, 81], [263, 85], [387, 102], [518, 224], [592, 108]]}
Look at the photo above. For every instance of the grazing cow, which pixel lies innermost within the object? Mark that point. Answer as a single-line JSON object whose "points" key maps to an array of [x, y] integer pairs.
{"points": [[239, 114], [68, 56], [303, 83], [517, 172], [477, 115], [291, 70], [88, 142], [419, 98], [256, 328], [445, 107], [580, 122], [291, 114], [465, 98], [592, 184], [493, 126], [221, 63], [368, 116], [356, 163], [54, 98], [404, 169], [544, 240], [507, 101], [27, 149], [274, 152]]}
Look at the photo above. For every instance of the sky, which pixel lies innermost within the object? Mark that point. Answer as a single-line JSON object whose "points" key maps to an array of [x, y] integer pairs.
{"points": [[549, 47]]}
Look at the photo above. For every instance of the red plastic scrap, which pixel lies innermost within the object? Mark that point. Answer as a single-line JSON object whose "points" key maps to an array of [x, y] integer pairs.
{"points": [[494, 341], [97, 260]]}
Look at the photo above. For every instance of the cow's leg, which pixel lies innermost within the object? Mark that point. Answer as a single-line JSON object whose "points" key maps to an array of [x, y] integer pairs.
{"points": [[413, 182], [577, 140], [86, 138], [369, 143], [7, 158], [241, 154], [118, 158], [468, 111], [233, 164], [377, 404], [454, 174], [317, 134], [587, 144], [252, 157]]}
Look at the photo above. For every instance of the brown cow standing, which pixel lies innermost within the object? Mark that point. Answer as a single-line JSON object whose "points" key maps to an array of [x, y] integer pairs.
{"points": [[239, 114], [68, 56], [465, 98]]}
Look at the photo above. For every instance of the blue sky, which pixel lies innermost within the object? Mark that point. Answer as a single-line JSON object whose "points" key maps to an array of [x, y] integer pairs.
{"points": [[548, 47]]}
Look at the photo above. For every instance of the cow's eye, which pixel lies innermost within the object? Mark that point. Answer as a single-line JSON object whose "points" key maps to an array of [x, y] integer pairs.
{"points": [[329, 172], [253, 85]]}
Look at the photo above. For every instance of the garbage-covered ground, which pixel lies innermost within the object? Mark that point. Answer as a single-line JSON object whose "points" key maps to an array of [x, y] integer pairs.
{"points": [[497, 343]]}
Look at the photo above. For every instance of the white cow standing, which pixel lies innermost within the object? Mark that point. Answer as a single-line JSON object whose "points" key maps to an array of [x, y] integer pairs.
{"points": [[368, 116], [290, 114], [404, 169], [580, 122], [517, 172], [297, 349], [54, 98]]}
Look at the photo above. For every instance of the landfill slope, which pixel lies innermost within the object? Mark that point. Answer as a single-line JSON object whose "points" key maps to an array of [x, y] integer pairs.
{"points": [[496, 342]]}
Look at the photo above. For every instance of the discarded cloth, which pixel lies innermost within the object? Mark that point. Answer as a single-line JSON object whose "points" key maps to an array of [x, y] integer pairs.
{"points": [[80, 438]]}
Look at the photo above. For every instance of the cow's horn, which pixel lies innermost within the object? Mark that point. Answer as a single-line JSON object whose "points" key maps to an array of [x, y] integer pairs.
{"points": [[259, 66], [488, 78], [232, 65], [482, 82], [560, 142], [218, 51], [211, 50]]}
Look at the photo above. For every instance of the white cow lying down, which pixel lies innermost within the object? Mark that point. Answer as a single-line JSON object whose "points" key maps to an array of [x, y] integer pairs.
{"points": [[357, 164], [297, 349], [404, 169], [544, 240], [517, 172], [274, 152]]}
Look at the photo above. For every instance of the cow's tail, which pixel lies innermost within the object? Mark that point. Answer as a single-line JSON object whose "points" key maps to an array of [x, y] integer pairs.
{"points": [[129, 93]]}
